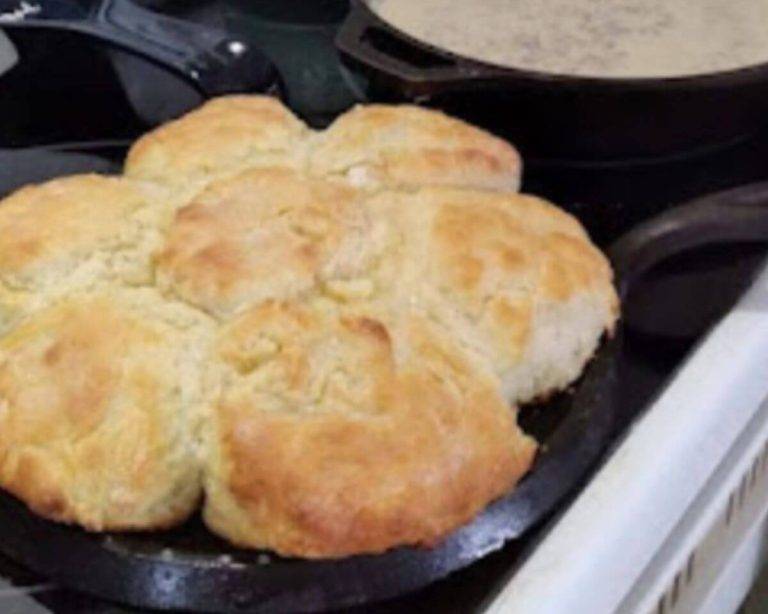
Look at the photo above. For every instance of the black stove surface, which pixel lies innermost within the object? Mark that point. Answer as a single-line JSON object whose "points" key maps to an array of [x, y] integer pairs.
{"points": [[668, 311]]}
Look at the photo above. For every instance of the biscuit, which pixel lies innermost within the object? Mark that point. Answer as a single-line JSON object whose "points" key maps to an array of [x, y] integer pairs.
{"points": [[222, 137], [340, 432], [408, 146], [511, 277], [72, 233], [266, 233], [100, 405]]}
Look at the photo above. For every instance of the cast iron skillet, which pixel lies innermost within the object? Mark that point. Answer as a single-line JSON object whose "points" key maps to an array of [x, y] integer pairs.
{"points": [[214, 61], [557, 116], [190, 569]]}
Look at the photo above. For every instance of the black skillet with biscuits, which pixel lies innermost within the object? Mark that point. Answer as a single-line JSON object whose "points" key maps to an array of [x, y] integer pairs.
{"points": [[188, 568]]}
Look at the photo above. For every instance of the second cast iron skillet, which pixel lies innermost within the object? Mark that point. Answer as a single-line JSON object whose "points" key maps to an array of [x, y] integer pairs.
{"points": [[214, 61], [561, 117], [189, 569]]}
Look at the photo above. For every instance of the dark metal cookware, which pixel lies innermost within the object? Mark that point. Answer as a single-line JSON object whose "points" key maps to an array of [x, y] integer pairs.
{"points": [[213, 61], [555, 116], [190, 569]]}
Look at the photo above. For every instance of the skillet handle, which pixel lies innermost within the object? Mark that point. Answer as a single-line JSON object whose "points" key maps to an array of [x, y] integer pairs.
{"points": [[416, 69], [212, 60], [739, 215]]}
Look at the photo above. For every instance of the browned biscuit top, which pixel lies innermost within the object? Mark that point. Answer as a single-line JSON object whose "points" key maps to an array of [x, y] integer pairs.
{"points": [[96, 410], [223, 136], [408, 146], [318, 456]]}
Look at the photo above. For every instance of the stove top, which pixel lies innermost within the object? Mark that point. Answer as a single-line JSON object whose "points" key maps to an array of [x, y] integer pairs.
{"points": [[671, 308], [647, 362]]}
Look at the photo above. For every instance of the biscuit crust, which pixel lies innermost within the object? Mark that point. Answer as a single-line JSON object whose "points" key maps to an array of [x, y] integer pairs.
{"points": [[99, 400], [315, 458], [73, 233], [223, 136], [408, 146]]}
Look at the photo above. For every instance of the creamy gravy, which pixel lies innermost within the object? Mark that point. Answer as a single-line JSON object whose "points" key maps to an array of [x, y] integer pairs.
{"points": [[606, 38]]}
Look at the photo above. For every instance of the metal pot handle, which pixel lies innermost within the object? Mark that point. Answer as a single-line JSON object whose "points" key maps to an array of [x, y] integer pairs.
{"points": [[739, 215], [418, 69], [212, 60]]}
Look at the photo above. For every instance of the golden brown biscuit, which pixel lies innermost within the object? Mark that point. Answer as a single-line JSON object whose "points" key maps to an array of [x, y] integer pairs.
{"points": [[71, 233], [339, 433], [266, 233], [99, 407], [222, 137], [511, 277], [408, 146]]}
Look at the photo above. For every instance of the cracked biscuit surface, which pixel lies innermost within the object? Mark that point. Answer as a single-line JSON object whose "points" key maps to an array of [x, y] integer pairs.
{"points": [[407, 146], [72, 233], [325, 335], [340, 432], [512, 278], [100, 397], [266, 233], [224, 136]]}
